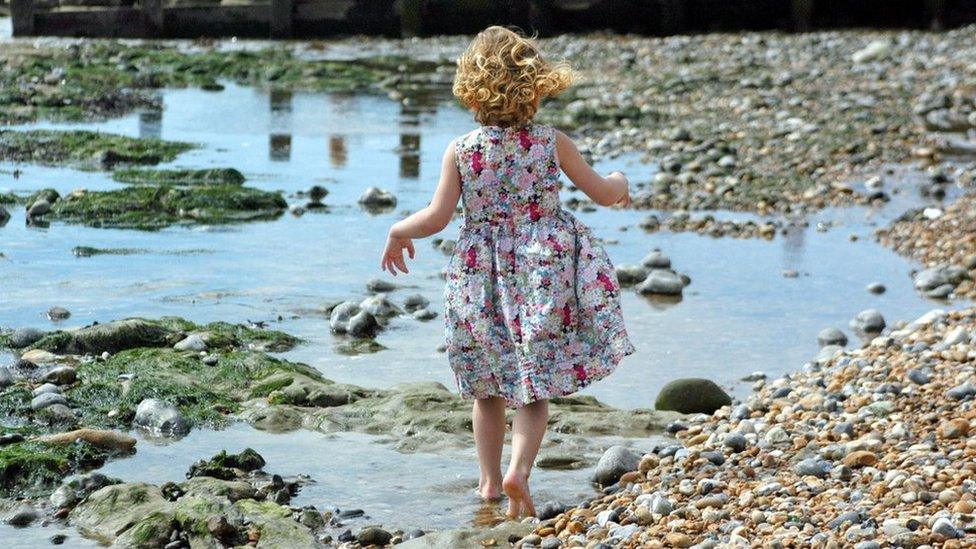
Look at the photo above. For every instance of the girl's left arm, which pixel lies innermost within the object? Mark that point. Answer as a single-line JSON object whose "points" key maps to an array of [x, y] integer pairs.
{"points": [[427, 221]]}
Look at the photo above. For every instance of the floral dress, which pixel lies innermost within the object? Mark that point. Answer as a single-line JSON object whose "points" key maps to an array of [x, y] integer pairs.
{"points": [[532, 301]]}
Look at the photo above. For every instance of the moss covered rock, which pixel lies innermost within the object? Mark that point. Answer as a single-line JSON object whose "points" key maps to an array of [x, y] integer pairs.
{"points": [[109, 512], [32, 468], [85, 149], [154, 207], [692, 395], [209, 176]]}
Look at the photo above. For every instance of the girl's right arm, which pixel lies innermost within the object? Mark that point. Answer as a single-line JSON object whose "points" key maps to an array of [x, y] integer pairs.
{"points": [[605, 191]]}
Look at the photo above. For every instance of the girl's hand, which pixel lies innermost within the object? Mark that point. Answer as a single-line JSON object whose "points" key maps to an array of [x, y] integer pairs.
{"points": [[393, 254], [624, 200]]}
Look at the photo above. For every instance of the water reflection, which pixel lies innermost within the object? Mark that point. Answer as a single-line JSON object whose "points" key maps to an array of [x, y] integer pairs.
{"points": [[279, 147], [337, 151], [793, 240], [151, 124]]}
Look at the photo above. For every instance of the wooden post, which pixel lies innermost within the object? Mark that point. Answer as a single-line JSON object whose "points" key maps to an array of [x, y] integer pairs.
{"points": [[802, 15], [411, 23], [281, 18], [934, 13], [152, 13], [22, 12]]}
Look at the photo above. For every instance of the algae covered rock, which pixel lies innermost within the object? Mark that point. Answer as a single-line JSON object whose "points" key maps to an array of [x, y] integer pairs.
{"points": [[207, 176], [692, 395], [110, 511], [85, 149], [153, 207]]}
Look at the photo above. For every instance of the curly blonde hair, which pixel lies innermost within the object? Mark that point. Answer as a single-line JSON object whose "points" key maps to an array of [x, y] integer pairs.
{"points": [[501, 76]]}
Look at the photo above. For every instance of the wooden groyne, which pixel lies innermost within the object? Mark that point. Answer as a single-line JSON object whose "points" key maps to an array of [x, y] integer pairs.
{"points": [[323, 18]]}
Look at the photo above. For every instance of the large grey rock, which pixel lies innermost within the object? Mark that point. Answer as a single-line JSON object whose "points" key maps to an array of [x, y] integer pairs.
{"points": [[77, 487], [160, 418], [46, 388], [692, 395], [39, 208], [831, 336], [868, 322], [415, 302], [23, 515], [6, 378], [616, 461], [661, 282]]}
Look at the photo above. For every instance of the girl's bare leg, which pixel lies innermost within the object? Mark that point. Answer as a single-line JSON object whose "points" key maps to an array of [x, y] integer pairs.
{"points": [[488, 417], [528, 428]]}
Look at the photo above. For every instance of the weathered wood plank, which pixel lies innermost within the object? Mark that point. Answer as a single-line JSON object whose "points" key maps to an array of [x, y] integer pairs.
{"points": [[411, 22], [109, 23]]}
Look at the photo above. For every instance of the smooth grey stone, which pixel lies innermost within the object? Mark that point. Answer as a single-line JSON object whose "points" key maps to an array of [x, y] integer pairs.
{"points": [[812, 467], [192, 342], [47, 399], [876, 288], [46, 388], [616, 461], [962, 391], [656, 260], [735, 441], [363, 325], [661, 282], [414, 302], [61, 375], [378, 285], [161, 417], [918, 377], [340, 316], [6, 378], [25, 515], [831, 336], [868, 321]]}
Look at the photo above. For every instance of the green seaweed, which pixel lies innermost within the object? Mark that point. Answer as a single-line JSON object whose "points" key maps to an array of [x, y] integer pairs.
{"points": [[150, 207], [186, 177], [85, 149], [31, 468]]}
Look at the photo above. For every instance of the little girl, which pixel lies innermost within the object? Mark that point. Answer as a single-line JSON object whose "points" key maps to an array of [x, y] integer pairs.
{"points": [[532, 301]]}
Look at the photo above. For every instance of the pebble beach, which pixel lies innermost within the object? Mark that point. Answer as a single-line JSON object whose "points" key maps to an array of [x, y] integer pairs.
{"points": [[867, 445]]}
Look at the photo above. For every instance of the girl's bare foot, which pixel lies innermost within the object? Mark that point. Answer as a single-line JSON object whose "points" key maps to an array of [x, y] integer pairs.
{"points": [[489, 490], [516, 486]]}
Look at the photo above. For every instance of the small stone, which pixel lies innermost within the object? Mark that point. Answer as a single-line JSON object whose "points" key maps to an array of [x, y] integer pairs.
{"points": [[812, 467], [692, 395], [735, 441], [876, 288], [945, 528], [954, 428], [860, 458], [192, 342], [661, 282], [45, 400], [868, 322], [424, 314], [616, 461], [415, 302], [656, 260], [58, 313], [220, 528], [678, 539], [629, 275], [373, 536], [380, 286], [962, 391], [363, 325], [62, 375], [25, 515], [374, 198], [918, 377], [161, 417]]}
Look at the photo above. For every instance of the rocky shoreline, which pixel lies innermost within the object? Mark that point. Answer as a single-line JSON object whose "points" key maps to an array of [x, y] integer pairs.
{"points": [[73, 394], [863, 448]]}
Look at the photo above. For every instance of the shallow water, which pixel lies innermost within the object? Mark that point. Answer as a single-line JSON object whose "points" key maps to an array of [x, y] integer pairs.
{"points": [[740, 314]]}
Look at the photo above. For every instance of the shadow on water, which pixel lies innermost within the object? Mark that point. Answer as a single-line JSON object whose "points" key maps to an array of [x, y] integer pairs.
{"points": [[740, 314]]}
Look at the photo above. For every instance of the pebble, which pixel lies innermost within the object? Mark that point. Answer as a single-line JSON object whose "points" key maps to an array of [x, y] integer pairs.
{"points": [[61, 375], [192, 342], [373, 536], [876, 288]]}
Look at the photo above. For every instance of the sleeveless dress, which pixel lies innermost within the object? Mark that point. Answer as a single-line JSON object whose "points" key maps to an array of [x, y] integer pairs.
{"points": [[532, 302]]}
